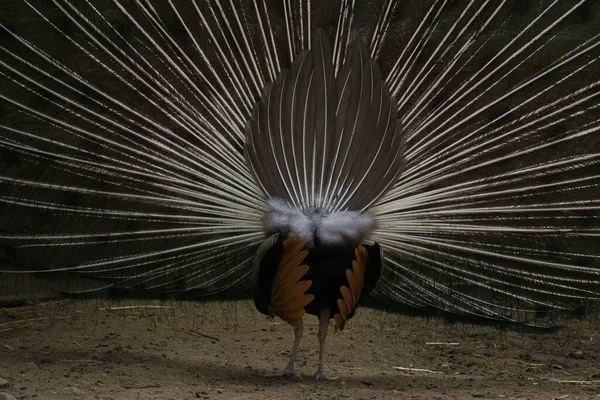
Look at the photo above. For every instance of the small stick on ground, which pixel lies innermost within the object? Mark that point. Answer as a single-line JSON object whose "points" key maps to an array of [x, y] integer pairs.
{"points": [[576, 382], [21, 321], [80, 361], [410, 369], [151, 385], [12, 328], [118, 308], [442, 344]]}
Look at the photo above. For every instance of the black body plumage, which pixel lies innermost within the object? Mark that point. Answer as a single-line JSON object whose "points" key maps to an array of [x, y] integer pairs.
{"points": [[327, 270], [328, 273]]}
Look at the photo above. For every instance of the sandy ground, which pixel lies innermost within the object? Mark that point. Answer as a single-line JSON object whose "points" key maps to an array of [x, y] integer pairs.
{"points": [[145, 350]]}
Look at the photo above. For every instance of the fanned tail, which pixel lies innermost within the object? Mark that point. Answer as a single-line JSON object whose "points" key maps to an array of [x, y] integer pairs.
{"points": [[121, 145], [123, 128], [497, 213]]}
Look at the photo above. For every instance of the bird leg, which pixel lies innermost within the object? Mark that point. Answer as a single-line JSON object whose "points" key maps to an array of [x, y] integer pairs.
{"points": [[323, 326], [289, 369]]}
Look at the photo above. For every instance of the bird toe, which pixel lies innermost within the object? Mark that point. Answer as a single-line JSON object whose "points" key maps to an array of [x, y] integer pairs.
{"points": [[320, 376]]}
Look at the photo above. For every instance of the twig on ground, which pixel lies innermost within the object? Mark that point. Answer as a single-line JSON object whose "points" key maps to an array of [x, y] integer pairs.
{"points": [[79, 361], [442, 344], [575, 382], [151, 385], [118, 308], [410, 369]]}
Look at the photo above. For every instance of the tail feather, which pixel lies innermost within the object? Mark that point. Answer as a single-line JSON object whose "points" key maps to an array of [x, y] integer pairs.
{"points": [[123, 151], [344, 138]]}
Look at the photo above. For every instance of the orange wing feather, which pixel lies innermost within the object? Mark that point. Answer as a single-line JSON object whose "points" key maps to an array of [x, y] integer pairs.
{"points": [[348, 297], [344, 310], [351, 293], [289, 266], [293, 292], [292, 317], [340, 322], [288, 281], [351, 276], [288, 292]]}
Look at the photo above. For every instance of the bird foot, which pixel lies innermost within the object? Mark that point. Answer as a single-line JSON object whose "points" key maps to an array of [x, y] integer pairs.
{"points": [[320, 376], [286, 373]]}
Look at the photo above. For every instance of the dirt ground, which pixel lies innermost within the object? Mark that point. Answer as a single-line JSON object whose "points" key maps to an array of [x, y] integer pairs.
{"points": [[156, 350]]}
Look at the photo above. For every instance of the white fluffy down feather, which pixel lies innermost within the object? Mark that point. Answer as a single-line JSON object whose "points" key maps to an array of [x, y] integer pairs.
{"points": [[318, 227]]}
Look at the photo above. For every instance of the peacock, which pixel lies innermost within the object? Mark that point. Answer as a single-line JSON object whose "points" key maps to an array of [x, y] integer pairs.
{"points": [[439, 157]]}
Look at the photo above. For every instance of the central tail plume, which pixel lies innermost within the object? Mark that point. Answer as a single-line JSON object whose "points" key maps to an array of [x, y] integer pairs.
{"points": [[326, 139]]}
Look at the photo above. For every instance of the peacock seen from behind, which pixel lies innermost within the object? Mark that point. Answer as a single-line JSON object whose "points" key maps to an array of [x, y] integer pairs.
{"points": [[436, 156]]}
